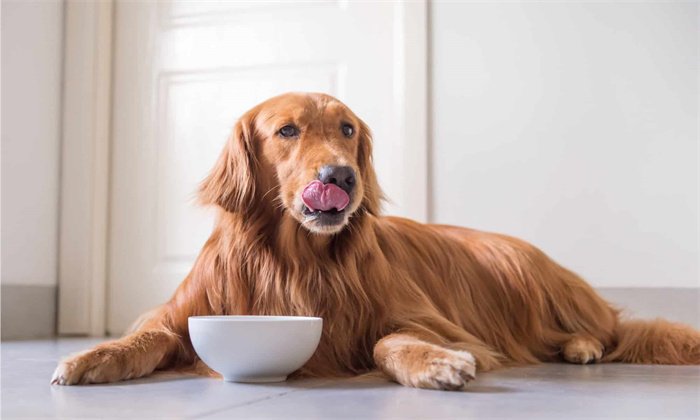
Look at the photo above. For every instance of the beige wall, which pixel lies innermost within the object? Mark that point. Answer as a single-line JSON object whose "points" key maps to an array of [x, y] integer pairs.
{"points": [[31, 114], [573, 125]]}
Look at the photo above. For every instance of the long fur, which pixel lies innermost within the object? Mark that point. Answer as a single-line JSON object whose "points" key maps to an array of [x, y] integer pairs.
{"points": [[385, 286]]}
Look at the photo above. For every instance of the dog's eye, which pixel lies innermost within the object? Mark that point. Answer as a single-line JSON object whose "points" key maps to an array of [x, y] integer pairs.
{"points": [[347, 129], [288, 131]]}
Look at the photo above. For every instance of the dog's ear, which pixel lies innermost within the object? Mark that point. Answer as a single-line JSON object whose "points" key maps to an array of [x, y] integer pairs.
{"points": [[231, 183], [373, 196]]}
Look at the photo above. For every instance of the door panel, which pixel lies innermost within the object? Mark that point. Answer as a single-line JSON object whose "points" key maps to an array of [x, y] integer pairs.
{"points": [[183, 73]]}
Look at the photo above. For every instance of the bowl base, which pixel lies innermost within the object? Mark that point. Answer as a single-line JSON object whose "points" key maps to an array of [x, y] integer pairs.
{"points": [[256, 379]]}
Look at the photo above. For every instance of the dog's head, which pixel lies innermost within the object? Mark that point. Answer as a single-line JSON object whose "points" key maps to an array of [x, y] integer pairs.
{"points": [[308, 155]]}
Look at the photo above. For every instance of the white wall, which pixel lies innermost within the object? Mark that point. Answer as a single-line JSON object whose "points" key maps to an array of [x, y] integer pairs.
{"points": [[574, 126], [31, 98]]}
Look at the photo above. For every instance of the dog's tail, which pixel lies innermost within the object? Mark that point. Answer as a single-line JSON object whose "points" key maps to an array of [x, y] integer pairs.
{"points": [[655, 342]]}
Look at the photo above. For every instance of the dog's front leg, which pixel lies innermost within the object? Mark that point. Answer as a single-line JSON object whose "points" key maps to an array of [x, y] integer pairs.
{"points": [[413, 362], [133, 356], [159, 340]]}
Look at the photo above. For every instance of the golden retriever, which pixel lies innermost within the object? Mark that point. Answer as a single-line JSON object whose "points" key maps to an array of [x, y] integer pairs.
{"points": [[299, 232]]}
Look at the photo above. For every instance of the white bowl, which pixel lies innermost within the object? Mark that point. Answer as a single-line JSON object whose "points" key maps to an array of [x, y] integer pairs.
{"points": [[255, 348]]}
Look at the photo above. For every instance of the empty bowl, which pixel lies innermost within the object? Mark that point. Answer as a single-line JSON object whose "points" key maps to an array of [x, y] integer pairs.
{"points": [[255, 348]]}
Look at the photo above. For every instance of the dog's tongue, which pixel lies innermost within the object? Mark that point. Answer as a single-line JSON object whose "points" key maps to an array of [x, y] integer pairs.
{"points": [[324, 197]]}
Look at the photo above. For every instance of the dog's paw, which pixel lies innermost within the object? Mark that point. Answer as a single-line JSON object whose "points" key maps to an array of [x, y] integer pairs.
{"points": [[89, 367], [582, 350], [430, 366], [450, 371]]}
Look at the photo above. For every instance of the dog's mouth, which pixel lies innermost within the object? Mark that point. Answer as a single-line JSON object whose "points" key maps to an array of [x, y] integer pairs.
{"points": [[324, 204], [330, 217], [311, 213]]}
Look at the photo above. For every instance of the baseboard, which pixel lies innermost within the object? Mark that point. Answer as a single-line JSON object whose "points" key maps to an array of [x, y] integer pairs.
{"points": [[673, 304], [27, 312]]}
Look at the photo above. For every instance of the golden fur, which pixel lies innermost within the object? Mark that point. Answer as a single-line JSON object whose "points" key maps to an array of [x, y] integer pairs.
{"points": [[425, 304]]}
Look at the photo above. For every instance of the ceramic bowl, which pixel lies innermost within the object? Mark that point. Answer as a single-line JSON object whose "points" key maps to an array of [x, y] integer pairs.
{"points": [[255, 348]]}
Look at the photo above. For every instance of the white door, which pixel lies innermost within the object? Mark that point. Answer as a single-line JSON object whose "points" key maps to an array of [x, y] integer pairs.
{"points": [[183, 73]]}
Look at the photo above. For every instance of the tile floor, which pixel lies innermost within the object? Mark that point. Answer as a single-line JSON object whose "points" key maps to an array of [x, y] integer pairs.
{"points": [[546, 391]]}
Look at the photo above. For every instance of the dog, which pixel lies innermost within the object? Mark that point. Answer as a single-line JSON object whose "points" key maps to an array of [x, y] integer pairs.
{"points": [[299, 232]]}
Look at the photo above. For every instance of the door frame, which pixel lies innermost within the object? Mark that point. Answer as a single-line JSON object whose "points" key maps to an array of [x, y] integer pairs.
{"points": [[86, 139], [85, 160]]}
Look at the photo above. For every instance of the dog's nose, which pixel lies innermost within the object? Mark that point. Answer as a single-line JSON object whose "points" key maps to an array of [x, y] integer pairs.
{"points": [[342, 176]]}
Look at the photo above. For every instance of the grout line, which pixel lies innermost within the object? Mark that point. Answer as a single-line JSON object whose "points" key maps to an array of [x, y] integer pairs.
{"points": [[260, 399], [256, 400]]}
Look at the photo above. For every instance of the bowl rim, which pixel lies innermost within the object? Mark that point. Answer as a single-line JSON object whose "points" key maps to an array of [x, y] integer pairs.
{"points": [[253, 318]]}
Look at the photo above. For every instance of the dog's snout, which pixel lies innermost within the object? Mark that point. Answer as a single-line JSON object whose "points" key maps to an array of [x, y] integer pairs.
{"points": [[342, 176]]}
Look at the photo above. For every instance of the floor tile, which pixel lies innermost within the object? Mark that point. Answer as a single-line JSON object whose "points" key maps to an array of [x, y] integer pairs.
{"points": [[544, 391]]}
